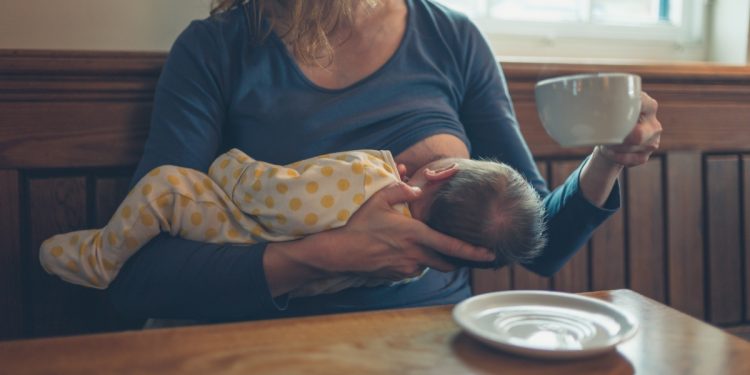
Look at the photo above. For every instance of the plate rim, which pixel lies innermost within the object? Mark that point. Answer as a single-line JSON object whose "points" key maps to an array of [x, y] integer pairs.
{"points": [[480, 335]]}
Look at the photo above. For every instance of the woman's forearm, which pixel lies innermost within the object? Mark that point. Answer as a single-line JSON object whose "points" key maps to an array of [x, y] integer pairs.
{"points": [[175, 278], [598, 177], [293, 264]]}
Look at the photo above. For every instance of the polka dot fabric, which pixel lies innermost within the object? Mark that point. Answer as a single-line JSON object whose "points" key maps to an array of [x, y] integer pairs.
{"points": [[308, 196], [241, 201]]}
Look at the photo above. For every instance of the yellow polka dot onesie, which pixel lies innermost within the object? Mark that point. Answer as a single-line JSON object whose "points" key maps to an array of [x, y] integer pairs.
{"points": [[241, 200]]}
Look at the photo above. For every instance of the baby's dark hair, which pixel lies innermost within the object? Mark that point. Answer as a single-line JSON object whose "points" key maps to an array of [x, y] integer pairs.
{"points": [[489, 204]]}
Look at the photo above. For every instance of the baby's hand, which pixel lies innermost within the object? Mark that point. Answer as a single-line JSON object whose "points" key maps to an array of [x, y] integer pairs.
{"points": [[402, 172]]}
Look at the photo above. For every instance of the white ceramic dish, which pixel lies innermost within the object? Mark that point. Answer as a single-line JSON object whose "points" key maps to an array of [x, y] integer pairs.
{"points": [[543, 324]]}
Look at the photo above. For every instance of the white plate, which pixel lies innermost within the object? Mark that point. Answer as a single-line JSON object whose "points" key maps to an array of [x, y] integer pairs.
{"points": [[545, 324]]}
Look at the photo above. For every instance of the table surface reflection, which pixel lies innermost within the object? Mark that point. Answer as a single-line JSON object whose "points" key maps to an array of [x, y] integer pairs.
{"points": [[420, 340]]}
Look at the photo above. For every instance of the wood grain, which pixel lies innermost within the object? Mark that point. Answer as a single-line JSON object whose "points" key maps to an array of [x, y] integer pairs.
{"points": [[487, 280], [746, 231], [723, 218], [691, 98], [645, 205], [109, 193], [685, 232], [66, 110], [608, 252], [523, 278], [57, 308], [11, 292], [401, 341], [63, 135], [57, 205], [574, 276]]}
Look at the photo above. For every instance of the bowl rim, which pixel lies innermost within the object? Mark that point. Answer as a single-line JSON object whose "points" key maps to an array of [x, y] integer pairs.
{"points": [[553, 80]]}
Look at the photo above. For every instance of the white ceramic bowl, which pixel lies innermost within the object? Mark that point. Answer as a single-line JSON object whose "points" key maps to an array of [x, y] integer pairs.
{"points": [[589, 109]]}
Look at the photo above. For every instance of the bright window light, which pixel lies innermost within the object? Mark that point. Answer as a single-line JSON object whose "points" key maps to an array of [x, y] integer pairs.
{"points": [[678, 24]]}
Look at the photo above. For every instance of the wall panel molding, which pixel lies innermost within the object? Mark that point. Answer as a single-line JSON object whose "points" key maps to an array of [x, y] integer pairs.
{"points": [[75, 123], [11, 280]]}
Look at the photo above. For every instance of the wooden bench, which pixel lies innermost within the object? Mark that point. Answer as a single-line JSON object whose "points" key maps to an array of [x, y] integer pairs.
{"points": [[72, 126]]}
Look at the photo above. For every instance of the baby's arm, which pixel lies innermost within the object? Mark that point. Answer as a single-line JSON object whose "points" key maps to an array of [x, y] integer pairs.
{"points": [[305, 197]]}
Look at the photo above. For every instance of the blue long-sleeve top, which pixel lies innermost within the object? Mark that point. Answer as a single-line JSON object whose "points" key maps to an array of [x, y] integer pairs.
{"points": [[219, 90]]}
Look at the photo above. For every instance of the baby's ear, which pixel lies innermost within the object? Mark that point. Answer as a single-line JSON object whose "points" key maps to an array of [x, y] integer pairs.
{"points": [[441, 174]]}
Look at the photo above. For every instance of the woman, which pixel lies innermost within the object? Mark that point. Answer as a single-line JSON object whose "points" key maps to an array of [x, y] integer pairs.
{"points": [[285, 80]]}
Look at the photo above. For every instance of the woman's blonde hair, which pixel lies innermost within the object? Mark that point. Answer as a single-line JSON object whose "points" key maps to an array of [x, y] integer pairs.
{"points": [[303, 25]]}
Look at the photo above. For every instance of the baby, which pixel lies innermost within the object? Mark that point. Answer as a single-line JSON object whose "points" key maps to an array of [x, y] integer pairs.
{"points": [[243, 200]]}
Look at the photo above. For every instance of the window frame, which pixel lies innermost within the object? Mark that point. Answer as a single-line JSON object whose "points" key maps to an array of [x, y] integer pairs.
{"points": [[685, 41]]}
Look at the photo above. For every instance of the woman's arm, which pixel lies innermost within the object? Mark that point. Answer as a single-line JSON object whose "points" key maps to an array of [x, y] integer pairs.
{"points": [[574, 209], [172, 277], [377, 242], [177, 278], [599, 175]]}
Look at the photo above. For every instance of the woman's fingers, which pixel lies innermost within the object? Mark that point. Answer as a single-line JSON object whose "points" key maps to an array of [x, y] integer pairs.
{"points": [[395, 193], [649, 105], [651, 146], [628, 159], [426, 237], [435, 261], [642, 141], [390, 245], [450, 246]]}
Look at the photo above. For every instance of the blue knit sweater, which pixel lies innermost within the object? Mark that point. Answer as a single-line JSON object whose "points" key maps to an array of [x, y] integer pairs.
{"points": [[220, 91]]}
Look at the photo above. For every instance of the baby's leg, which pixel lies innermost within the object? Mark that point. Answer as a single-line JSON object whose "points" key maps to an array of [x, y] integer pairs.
{"points": [[92, 258], [170, 199]]}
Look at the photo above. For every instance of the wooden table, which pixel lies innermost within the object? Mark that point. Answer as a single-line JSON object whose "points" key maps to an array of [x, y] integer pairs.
{"points": [[406, 341]]}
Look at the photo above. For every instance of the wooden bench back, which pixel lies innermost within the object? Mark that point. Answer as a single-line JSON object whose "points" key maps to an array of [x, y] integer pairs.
{"points": [[72, 127]]}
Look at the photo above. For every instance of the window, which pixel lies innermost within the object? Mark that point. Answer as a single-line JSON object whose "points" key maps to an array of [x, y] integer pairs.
{"points": [[587, 28]]}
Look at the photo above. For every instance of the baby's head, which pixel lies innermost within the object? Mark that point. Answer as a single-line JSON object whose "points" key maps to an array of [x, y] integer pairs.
{"points": [[485, 203]]}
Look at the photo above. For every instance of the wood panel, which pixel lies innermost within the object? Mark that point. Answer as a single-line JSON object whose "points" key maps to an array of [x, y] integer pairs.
{"points": [[109, 193], [686, 128], [574, 276], [130, 77], [523, 278], [58, 205], [608, 251], [22, 63], [74, 109], [645, 205], [746, 232], [11, 292], [690, 97], [487, 280], [88, 109], [723, 199], [685, 232], [57, 308], [64, 134]]}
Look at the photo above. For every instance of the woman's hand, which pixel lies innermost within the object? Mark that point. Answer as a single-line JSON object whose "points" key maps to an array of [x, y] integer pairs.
{"points": [[642, 141], [381, 242], [603, 168], [377, 242]]}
